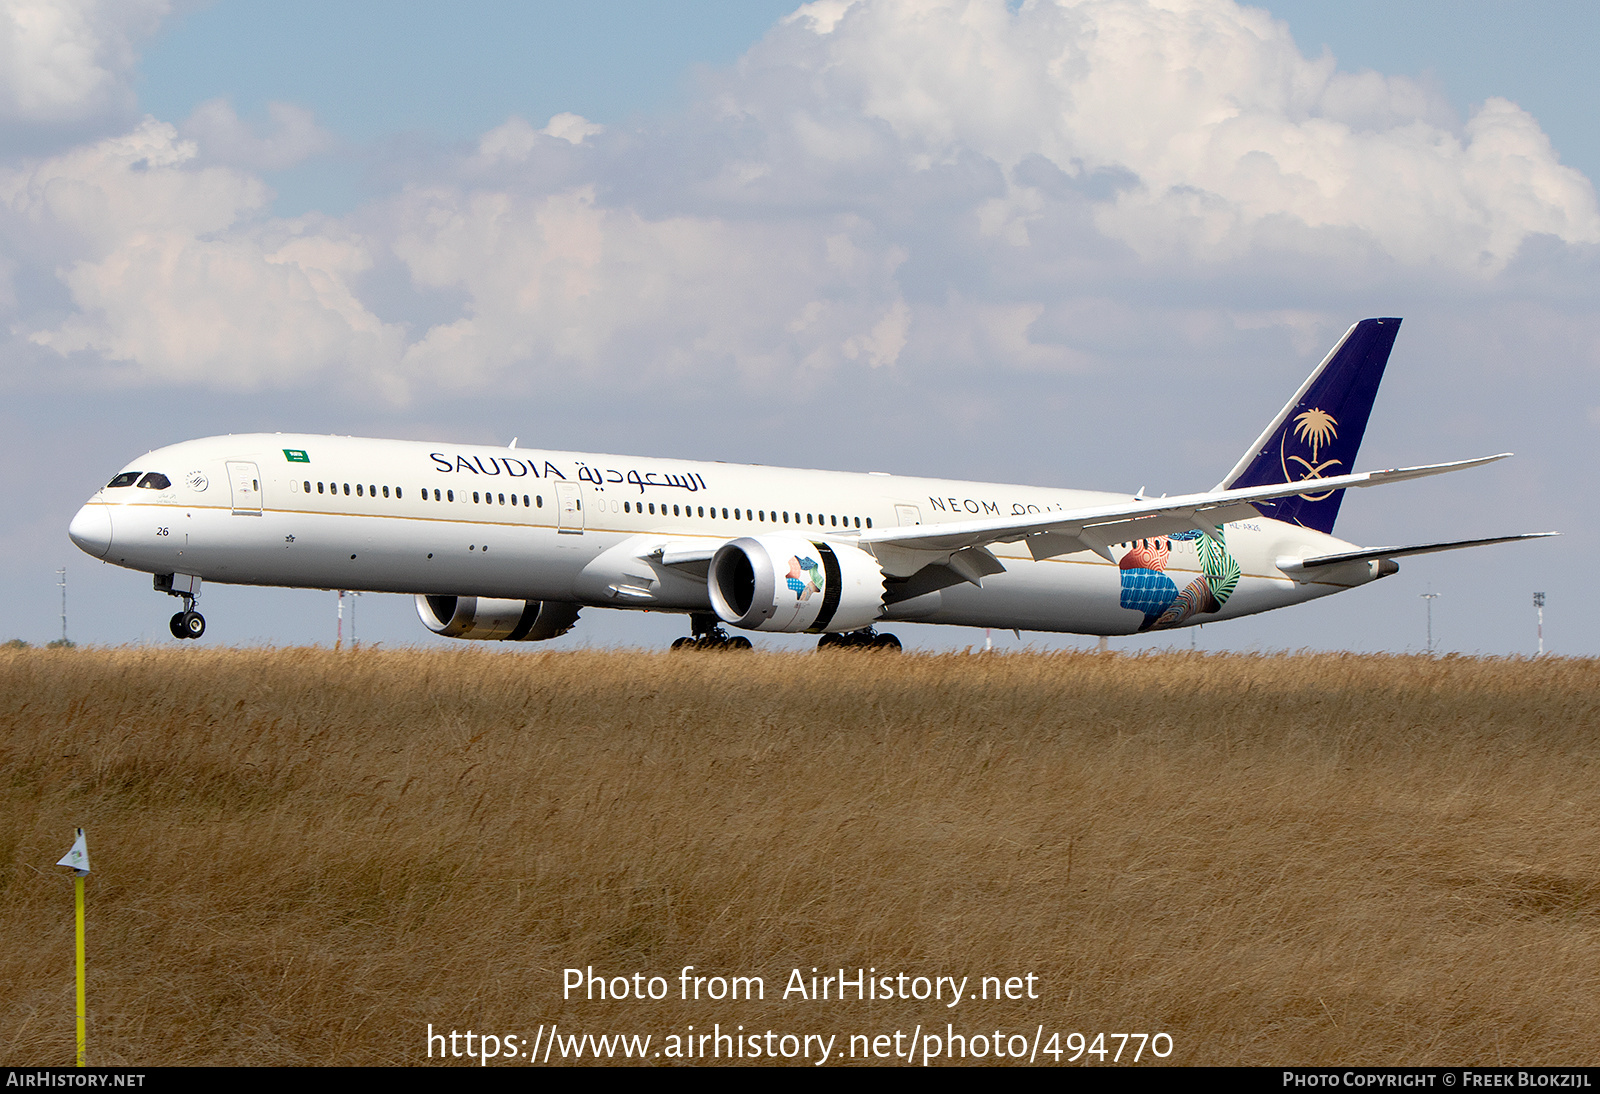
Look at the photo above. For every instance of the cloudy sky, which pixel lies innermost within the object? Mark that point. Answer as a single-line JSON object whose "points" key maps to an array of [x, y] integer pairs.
{"points": [[1090, 244]]}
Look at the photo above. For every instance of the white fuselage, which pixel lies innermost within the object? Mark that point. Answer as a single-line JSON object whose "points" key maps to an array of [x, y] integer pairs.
{"points": [[464, 520]]}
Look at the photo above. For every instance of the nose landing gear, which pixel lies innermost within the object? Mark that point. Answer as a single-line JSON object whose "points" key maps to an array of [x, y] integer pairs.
{"points": [[187, 623]]}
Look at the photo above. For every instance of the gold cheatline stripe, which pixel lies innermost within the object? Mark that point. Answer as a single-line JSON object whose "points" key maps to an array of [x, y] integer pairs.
{"points": [[631, 531]]}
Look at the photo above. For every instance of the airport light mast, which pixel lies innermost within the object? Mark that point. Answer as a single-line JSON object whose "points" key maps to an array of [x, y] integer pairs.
{"points": [[1430, 597], [1538, 602]]}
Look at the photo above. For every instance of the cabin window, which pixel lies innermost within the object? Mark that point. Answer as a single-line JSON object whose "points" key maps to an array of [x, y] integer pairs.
{"points": [[155, 480], [858, 522], [450, 495], [513, 499], [703, 511], [127, 478], [319, 488], [358, 489], [397, 491], [524, 501], [675, 511], [869, 522], [436, 496], [626, 507], [652, 509], [347, 490], [385, 491], [502, 499], [538, 501], [808, 518], [786, 516], [307, 486]]}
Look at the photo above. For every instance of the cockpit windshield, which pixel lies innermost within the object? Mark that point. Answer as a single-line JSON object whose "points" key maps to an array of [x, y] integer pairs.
{"points": [[127, 478], [155, 480]]}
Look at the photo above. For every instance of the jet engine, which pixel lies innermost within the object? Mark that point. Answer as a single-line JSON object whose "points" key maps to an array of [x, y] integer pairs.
{"points": [[478, 617], [789, 583]]}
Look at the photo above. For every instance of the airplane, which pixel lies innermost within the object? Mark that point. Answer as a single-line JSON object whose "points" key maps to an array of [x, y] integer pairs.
{"points": [[509, 544]]}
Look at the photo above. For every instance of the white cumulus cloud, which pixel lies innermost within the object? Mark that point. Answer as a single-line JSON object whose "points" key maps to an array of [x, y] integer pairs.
{"points": [[1231, 139], [955, 185], [224, 138], [175, 276], [67, 60], [561, 280]]}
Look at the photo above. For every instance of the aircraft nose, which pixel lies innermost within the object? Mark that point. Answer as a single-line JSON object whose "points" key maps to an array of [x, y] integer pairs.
{"points": [[91, 529]]}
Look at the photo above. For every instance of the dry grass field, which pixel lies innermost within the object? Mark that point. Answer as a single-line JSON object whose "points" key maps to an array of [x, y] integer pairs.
{"points": [[303, 857]]}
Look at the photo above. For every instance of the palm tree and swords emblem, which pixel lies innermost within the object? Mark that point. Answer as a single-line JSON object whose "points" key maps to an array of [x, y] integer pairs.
{"points": [[1315, 428]]}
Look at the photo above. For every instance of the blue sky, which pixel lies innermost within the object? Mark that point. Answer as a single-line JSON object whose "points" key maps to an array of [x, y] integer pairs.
{"points": [[894, 228]]}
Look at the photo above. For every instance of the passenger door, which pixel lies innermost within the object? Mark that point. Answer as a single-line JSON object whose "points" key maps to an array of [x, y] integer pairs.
{"points": [[569, 499], [245, 480]]}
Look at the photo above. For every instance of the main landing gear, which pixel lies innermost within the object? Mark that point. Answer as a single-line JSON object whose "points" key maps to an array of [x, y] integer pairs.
{"points": [[866, 639], [187, 623], [705, 633]]}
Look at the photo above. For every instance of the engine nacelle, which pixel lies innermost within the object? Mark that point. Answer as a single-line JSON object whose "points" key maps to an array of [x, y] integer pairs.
{"points": [[789, 583], [479, 617]]}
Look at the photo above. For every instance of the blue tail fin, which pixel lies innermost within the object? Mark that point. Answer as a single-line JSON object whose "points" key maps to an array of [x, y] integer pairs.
{"points": [[1318, 433]]}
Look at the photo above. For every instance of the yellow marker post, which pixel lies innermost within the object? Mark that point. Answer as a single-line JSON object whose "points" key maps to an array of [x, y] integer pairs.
{"points": [[77, 860]]}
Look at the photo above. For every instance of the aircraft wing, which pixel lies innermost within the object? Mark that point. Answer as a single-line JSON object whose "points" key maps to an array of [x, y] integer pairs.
{"points": [[1049, 534]]}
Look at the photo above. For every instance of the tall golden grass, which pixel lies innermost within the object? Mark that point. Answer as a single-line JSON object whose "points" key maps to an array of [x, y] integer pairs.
{"points": [[303, 857]]}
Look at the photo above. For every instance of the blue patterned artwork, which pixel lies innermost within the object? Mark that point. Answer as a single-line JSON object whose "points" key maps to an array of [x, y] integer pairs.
{"points": [[1147, 589]]}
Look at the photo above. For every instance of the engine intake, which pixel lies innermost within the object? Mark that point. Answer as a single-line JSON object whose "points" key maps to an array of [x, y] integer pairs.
{"points": [[480, 618], [787, 583]]}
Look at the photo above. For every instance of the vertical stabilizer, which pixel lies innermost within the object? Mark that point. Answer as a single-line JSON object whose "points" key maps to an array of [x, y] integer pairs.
{"points": [[1317, 434]]}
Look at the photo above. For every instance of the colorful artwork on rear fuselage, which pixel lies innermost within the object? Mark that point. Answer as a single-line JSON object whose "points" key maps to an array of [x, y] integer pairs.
{"points": [[1146, 587]]}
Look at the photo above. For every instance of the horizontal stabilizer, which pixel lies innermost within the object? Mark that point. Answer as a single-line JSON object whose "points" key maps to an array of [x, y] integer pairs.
{"points": [[1300, 565]]}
